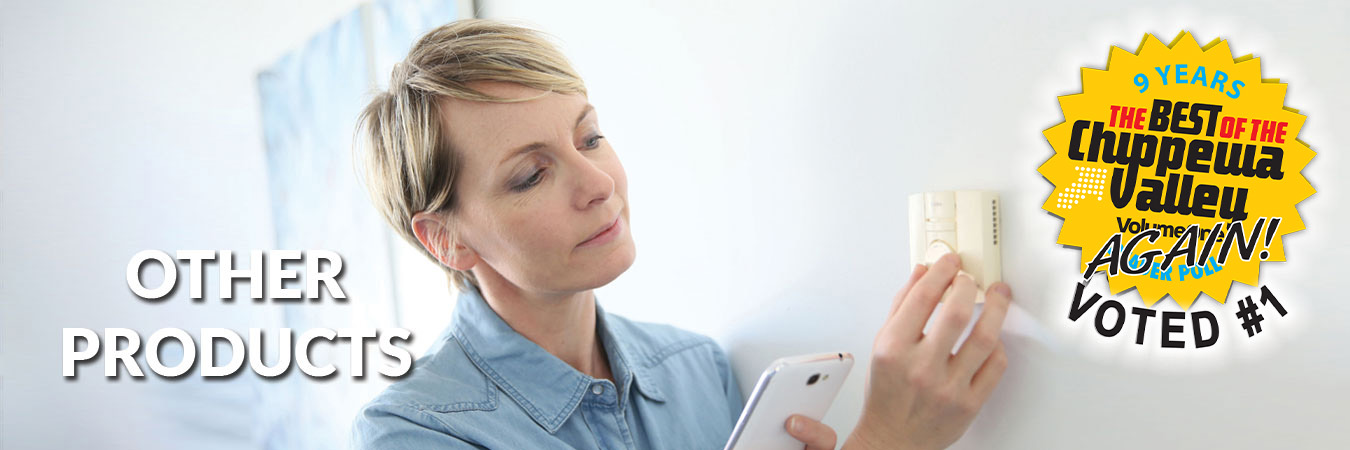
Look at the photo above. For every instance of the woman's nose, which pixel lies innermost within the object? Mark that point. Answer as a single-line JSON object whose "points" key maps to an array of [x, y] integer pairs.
{"points": [[594, 184]]}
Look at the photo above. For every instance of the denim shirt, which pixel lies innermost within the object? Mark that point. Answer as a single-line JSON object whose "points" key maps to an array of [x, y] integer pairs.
{"points": [[483, 385]]}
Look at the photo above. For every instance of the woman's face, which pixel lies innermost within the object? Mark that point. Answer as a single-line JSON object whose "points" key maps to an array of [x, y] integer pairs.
{"points": [[538, 183]]}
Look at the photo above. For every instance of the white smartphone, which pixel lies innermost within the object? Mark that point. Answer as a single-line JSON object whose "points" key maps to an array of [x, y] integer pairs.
{"points": [[803, 385]]}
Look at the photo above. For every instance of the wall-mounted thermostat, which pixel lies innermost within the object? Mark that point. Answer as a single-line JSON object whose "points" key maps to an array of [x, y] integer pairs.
{"points": [[961, 222]]}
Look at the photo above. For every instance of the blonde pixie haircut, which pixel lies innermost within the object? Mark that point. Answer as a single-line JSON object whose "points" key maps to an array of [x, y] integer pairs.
{"points": [[410, 166]]}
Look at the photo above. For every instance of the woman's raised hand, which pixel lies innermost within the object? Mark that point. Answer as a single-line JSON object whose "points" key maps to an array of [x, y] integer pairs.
{"points": [[920, 395]]}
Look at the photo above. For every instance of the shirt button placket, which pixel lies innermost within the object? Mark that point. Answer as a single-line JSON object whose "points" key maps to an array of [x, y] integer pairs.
{"points": [[606, 421]]}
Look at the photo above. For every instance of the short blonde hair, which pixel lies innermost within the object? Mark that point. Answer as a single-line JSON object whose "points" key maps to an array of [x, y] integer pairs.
{"points": [[410, 166]]}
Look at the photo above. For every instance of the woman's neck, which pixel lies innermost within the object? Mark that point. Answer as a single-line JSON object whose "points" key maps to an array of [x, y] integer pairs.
{"points": [[562, 324]]}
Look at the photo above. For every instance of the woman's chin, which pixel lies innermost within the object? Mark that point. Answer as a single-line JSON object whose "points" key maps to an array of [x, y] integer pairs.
{"points": [[615, 263], [610, 265]]}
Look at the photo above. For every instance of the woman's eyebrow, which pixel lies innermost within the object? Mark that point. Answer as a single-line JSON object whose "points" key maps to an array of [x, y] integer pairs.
{"points": [[538, 145], [521, 151], [584, 112]]}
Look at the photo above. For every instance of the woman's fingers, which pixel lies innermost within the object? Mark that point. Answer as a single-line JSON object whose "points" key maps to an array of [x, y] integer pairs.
{"points": [[906, 325], [919, 270], [987, 377], [957, 308], [984, 338], [814, 434]]}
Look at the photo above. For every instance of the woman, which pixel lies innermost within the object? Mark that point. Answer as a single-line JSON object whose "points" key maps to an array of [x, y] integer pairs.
{"points": [[486, 154]]}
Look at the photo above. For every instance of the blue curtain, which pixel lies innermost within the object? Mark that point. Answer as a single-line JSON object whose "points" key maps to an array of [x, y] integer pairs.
{"points": [[310, 101]]}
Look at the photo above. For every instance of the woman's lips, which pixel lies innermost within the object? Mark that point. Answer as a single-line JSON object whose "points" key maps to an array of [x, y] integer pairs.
{"points": [[605, 236]]}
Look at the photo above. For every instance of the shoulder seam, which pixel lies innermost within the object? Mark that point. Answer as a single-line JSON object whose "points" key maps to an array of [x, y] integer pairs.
{"points": [[674, 348]]}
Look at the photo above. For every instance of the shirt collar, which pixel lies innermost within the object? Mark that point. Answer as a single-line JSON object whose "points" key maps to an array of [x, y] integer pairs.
{"points": [[547, 388]]}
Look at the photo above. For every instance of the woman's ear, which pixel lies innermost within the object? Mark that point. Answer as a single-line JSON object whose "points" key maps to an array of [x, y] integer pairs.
{"points": [[439, 238]]}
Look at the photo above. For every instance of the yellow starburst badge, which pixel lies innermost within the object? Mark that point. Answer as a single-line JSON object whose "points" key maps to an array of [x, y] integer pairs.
{"points": [[1177, 170]]}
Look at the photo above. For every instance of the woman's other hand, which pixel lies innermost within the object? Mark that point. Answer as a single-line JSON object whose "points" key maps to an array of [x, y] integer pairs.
{"points": [[816, 435], [920, 395]]}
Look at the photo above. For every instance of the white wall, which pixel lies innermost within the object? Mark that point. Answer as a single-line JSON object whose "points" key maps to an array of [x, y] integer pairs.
{"points": [[770, 147]]}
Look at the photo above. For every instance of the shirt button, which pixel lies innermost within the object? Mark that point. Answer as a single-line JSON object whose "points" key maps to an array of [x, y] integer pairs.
{"points": [[597, 389]]}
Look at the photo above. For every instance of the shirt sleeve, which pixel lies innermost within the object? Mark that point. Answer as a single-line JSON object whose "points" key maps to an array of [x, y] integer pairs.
{"points": [[732, 388], [397, 428]]}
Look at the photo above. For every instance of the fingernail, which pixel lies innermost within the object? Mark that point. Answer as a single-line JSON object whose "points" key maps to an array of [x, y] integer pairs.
{"points": [[796, 424], [1003, 289]]}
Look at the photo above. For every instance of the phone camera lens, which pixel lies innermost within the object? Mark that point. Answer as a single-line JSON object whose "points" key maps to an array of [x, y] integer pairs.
{"points": [[814, 378]]}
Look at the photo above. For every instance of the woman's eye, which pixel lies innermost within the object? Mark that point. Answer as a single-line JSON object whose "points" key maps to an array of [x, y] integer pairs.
{"points": [[530, 182], [594, 141]]}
